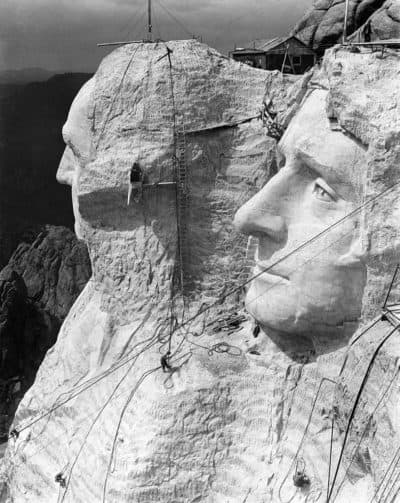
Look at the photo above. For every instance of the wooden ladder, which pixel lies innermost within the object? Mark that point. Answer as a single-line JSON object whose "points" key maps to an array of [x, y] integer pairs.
{"points": [[182, 203]]}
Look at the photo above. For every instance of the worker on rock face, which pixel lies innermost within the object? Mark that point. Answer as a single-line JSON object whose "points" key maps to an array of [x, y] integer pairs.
{"points": [[135, 183]]}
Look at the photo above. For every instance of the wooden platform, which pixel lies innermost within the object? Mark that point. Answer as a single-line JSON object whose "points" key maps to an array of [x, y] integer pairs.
{"points": [[377, 43]]}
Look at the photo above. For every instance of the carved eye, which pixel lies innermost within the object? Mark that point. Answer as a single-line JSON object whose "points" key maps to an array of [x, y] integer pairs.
{"points": [[323, 192]]}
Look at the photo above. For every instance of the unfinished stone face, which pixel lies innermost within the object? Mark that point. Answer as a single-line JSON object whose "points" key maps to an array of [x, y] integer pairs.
{"points": [[236, 417], [106, 132], [318, 289]]}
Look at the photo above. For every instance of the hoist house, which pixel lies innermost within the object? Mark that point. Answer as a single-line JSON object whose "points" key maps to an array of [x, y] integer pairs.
{"points": [[288, 55]]}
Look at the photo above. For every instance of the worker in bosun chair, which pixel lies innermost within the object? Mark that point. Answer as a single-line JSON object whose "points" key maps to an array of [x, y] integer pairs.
{"points": [[135, 183]]}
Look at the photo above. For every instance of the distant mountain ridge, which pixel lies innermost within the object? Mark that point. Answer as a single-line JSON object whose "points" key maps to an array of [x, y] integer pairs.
{"points": [[25, 75], [31, 146]]}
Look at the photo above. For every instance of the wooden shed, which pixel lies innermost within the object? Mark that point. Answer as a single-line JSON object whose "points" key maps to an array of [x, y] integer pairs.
{"points": [[288, 55]]}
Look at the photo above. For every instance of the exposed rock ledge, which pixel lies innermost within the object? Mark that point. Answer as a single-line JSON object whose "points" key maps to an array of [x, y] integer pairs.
{"points": [[322, 26]]}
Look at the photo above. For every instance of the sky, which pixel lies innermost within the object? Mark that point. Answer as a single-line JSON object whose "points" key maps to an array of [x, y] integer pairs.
{"points": [[61, 35]]}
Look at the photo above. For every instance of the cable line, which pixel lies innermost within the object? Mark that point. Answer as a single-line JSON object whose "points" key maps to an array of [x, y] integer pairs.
{"points": [[92, 426], [131, 29], [330, 457], [355, 450], [206, 308], [169, 13], [389, 468], [116, 94], [303, 437], [89, 416], [381, 500], [131, 395], [356, 402], [294, 251], [107, 373]]}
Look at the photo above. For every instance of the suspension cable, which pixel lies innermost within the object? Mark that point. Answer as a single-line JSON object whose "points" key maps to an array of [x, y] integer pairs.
{"points": [[294, 460], [294, 251], [389, 468], [206, 308], [169, 13], [356, 402], [355, 450]]}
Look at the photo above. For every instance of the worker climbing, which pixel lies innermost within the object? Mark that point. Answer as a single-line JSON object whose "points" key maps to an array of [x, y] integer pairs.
{"points": [[165, 362], [136, 178]]}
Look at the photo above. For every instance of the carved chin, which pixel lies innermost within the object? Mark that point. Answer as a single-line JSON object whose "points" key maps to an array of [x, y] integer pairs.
{"points": [[288, 313], [271, 310]]}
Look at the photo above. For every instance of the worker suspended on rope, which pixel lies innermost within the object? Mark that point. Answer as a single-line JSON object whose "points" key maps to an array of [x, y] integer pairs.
{"points": [[14, 434], [60, 479], [166, 366], [135, 183], [300, 479]]}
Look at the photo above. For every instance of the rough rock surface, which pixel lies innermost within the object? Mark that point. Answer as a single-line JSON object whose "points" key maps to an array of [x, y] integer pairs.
{"points": [[239, 414], [39, 285], [13, 301], [55, 267], [322, 26]]}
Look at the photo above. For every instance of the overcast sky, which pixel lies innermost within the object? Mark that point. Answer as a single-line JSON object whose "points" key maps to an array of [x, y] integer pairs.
{"points": [[61, 35]]}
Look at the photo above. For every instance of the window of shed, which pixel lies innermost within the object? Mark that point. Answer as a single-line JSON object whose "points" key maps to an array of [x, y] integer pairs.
{"points": [[297, 60]]}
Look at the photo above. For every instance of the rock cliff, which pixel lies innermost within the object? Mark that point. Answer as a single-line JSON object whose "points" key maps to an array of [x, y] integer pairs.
{"points": [[322, 26], [150, 395], [38, 287]]}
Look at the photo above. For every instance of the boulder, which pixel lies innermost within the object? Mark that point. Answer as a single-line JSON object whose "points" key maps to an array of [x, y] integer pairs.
{"points": [[322, 26]]}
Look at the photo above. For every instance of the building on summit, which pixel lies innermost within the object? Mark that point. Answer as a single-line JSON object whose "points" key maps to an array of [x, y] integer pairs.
{"points": [[288, 55]]}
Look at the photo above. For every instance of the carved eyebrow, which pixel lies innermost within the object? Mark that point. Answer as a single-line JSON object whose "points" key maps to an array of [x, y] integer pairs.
{"points": [[325, 172], [324, 185]]}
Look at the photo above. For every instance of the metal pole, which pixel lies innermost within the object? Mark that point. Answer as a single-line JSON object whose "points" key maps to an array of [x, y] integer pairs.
{"points": [[149, 20], [105, 44], [346, 14]]}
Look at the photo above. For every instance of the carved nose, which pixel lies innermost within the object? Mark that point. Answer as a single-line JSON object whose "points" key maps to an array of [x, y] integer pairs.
{"points": [[264, 214], [251, 219], [66, 169]]}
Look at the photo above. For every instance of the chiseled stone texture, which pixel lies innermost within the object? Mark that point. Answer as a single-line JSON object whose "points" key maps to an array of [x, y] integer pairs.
{"points": [[226, 426], [55, 267]]}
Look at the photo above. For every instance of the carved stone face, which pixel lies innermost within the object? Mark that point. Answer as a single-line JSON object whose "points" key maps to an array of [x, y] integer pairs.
{"points": [[78, 139], [133, 248], [320, 287]]}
